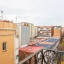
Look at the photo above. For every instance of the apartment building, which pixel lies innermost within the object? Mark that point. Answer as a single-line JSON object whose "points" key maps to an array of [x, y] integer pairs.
{"points": [[7, 43], [57, 31], [24, 35], [36, 29], [62, 30], [32, 28], [45, 31], [24, 38]]}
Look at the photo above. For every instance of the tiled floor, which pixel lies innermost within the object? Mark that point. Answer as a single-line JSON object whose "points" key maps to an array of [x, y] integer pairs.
{"points": [[62, 62]]}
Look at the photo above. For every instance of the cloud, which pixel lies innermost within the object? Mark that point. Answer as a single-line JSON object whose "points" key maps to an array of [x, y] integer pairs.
{"points": [[39, 12]]}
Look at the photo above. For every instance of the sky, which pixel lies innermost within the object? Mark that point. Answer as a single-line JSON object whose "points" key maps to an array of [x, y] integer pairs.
{"points": [[38, 12]]}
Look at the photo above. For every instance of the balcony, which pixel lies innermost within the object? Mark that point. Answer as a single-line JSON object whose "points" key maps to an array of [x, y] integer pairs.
{"points": [[44, 56]]}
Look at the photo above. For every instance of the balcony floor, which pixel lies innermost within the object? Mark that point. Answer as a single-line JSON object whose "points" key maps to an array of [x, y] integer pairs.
{"points": [[62, 62]]}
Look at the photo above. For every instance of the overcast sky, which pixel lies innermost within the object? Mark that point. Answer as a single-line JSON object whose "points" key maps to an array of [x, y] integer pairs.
{"points": [[38, 12]]}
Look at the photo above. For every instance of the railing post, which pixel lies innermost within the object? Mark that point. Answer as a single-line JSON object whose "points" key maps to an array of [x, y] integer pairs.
{"points": [[59, 58], [30, 60], [36, 60], [42, 57]]}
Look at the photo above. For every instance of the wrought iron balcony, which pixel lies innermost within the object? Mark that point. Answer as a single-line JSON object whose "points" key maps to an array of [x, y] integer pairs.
{"points": [[44, 56]]}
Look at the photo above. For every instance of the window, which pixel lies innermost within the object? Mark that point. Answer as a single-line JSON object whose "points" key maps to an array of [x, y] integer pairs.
{"points": [[4, 45], [17, 56], [47, 34], [47, 28]]}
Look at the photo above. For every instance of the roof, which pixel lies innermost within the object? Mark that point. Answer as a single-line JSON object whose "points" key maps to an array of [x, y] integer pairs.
{"points": [[31, 49], [34, 47], [36, 40], [44, 26], [48, 43], [54, 40], [47, 46], [57, 26]]}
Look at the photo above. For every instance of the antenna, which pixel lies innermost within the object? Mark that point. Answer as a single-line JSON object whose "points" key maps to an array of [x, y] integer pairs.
{"points": [[2, 14], [16, 22]]}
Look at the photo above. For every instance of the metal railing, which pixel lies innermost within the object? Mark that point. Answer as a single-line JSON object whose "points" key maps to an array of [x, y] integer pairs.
{"points": [[46, 56]]}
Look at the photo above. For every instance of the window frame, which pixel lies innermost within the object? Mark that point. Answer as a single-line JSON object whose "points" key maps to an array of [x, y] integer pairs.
{"points": [[4, 46]]}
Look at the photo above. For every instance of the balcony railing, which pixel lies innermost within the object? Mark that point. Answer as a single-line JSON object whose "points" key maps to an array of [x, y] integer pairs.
{"points": [[44, 56]]}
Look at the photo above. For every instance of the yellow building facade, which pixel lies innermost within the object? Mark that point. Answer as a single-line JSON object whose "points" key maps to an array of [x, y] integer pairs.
{"points": [[7, 32], [57, 31]]}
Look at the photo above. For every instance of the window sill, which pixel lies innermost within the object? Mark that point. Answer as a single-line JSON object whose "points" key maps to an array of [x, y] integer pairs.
{"points": [[4, 50]]}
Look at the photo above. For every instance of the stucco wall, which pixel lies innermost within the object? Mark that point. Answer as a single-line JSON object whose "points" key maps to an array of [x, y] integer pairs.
{"points": [[7, 35], [7, 57]]}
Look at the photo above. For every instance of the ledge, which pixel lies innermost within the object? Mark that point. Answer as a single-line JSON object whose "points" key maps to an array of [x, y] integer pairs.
{"points": [[7, 29], [4, 50]]}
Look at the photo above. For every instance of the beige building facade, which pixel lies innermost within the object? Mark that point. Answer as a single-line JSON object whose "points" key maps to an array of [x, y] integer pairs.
{"points": [[45, 31]]}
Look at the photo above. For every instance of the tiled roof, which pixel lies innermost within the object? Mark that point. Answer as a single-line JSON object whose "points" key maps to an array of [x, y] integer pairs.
{"points": [[47, 46], [33, 47], [48, 43]]}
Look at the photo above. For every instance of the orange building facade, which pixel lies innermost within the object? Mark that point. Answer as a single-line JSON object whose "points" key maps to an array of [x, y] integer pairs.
{"points": [[57, 31], [7, 32]]}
